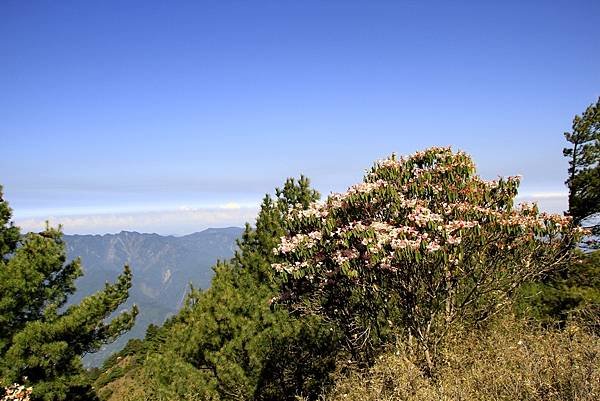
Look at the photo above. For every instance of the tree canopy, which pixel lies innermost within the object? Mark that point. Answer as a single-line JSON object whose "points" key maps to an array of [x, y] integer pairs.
{"points": [[584, 167], [227, 343], [41, 341]]}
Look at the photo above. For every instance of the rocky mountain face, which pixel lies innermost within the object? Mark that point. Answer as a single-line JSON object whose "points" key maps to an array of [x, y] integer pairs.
{"points": [[163, 268]]}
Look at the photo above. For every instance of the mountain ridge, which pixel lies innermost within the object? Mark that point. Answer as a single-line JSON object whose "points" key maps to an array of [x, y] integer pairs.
{"points": [[163, 267]]}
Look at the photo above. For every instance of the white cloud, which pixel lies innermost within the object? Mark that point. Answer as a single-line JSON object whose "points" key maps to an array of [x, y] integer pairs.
{"points": [[547, 195], [552, 202], [187, 219], [178, 222], [231, 205]]}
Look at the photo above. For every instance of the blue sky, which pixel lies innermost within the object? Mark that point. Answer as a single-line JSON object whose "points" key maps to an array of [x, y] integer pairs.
{"points": [[175, 116]]}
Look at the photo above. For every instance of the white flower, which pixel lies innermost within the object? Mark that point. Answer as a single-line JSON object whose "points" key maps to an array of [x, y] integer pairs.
{"points": [[433, 247], [454, 240]]}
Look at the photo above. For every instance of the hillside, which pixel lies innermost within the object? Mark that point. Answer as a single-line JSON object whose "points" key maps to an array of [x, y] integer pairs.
{"points": [[163, 268]]}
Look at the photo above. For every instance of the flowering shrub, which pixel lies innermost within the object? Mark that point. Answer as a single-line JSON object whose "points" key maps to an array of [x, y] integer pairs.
{"points": [[16, 392], [420, 244]]}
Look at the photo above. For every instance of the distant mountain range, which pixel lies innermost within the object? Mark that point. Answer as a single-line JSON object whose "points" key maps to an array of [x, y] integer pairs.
{"points": [[163, 268]]}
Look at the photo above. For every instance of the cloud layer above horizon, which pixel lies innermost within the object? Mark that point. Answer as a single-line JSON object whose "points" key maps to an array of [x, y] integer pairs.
{"points": [[186, 220], [180, 221]]}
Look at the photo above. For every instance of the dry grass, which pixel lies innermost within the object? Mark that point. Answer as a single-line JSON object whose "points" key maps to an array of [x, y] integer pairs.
{"points": [[507, 361]]}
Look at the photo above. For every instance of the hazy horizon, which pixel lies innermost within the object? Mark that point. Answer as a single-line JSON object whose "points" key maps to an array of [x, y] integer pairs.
{"points": [[188, 221]]}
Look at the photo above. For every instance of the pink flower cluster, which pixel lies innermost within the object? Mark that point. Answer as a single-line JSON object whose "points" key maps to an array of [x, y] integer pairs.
{"points": [[421, 216], [288, 245], [364, 188], [316, 210], [289, 268], [425, 204], [16, 392]]}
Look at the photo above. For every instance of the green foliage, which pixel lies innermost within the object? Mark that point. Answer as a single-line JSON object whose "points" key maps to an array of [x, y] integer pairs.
{"points": [[584, 167], [9, 234], [232, 330], [422, 244], [576, 288], [34, 282], [422, 250], [227, 343], [568, 292], [39, 342]]}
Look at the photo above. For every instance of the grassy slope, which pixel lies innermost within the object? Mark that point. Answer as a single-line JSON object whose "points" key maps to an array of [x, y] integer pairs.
{"points": [[506, 361]]}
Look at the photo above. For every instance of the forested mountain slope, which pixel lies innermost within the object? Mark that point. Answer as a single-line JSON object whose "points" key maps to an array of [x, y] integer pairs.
{"points": [[163, 268]]}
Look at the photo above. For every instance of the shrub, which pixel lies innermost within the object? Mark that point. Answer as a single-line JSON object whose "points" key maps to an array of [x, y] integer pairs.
{"points": [[421, 244]]}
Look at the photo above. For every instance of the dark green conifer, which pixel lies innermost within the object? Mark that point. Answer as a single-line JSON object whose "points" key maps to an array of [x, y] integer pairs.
{"points": [[40, 343], [227, 343], [584, 167], [251, 351], [575, 289]]}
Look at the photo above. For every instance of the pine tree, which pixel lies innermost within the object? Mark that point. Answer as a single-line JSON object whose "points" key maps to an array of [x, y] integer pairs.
{"points": [[574, 289], [584, 167], [249, 350], [228, 343], [41, 342]]}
